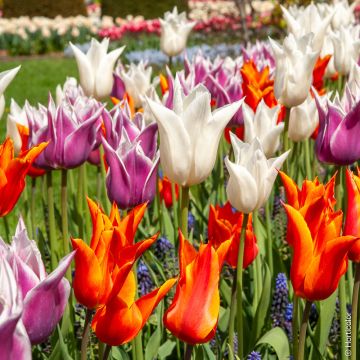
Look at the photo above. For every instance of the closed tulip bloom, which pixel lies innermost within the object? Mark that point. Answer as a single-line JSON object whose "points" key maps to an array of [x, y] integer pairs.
{"points": [[190, 134], [13, 171], [96, 68], [6, 77], [295, 61], [343, 14], [131, 155], [304, 120], [44, 295], [352, 221], [70, 91], [251, 175], [193, 314], [320, 254], [165, 191], [175, 29], [14, 341], [72, 132], [263, 124], [225, 224]]}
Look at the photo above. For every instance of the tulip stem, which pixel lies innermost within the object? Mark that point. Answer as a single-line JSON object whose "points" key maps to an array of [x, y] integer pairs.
{"points": [[184, 210], [343, 315], [106, 352], [80, 201], [175, 205], [103, 175], [32, 208], [188, 352], [86, 334], [295, 325], [64, 214], [354, 311], [7, 229], [268, 236], [236, 300], [286, 137], [52, 229], [307, 159], [303, 328]]}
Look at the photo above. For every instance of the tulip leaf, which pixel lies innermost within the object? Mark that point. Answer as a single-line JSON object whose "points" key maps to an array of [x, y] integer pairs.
{"points": [[118, 353], [166, 349], [63, 348], [204, 352], [278, 340], [225, 291], [170, 232], [153, 345], [224, 319]]}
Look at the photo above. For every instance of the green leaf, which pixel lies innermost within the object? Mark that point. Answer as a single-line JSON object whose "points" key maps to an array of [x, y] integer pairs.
{"points": [[278, 340], [166, 349], [170, 232], [63, 348], [225, 291], [224, 319], [153, 345], [204, 352], [118, 353]]}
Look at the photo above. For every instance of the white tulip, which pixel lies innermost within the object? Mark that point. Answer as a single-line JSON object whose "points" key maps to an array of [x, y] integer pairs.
{"points": [[6, 77], [96, 68], [137, 81], [252, 175], [295, 61], [70, 82], [175, 29], [354, 79], [303, 120], [190, 134], [344, 14], [17, 116], [346, 44], [263, 125], [328, 49]]}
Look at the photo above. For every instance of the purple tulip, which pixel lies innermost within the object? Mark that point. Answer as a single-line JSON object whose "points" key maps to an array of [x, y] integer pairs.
{"points": [[14, 341], [71, 129], [131, 154], [43, 296], [339, 130], [262, 55]]}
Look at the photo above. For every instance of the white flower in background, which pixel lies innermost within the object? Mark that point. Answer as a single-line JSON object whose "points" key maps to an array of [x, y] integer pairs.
{"points": [[308, 21], [137, 81], [328, 49], [353, 82], [71, 89], [346, 42], [303, 120], [252, 175], [190, 134], [344, 14], [175, 29], [263, 125], [295, 61], [6, 77], [147, 113], [17, 116], [96, 68]]}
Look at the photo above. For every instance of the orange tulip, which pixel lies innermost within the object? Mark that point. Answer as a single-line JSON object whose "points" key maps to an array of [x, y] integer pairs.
{"points": [[164, 85], [352, 223], [193, 314], [319, 72], [225, 224], [112, 251], [319, 258], [13, 171], [166, 191]]}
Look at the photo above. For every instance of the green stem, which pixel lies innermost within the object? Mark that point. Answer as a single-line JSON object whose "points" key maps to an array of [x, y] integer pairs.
{"points": [[103, 175], [257, 269], [64, 214], [80, 201], [354, 311], [184, 210], [33, 207], [307, 159], [268, 237], [7, 229], [303, 328], [188, 352], [232, 318], [86, 334], [343, 315], [107, 352], [52, 228], [295, 326], [88, 227], [175, 206], [286, 137], [138, 347]]}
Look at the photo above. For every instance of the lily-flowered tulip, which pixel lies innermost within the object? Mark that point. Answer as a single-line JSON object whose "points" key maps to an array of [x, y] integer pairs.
{"points": [[6, 77], [44, 296], [320, 254], [346, 44], [193, 314], [96, 68], [352, 222], [13, 171], [303, 120], [70, 91], [190, 134], [295, 61], [343, 14], [319, 73], [251, 175], [131, 154], [14, 341], [175, 29], [72, 131], [339, 129], [225, 224], [263, 125], [165, 191]]}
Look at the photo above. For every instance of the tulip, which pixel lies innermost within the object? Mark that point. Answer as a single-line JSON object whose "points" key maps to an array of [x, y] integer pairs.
{"points": [[338, 131], [131, 154], [71, 129], [14, 341], [6, 77], [70, 91], [320, 254], [13, 171], [263, 124], [303, 120], [251, 176], [44, 296], [354, 80], [261, 54], [193, 314], [96, 67], [343, 14], [319, 73], [225, 224], [165, 191], [175, 30], [190, 134], [295, 62]]}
